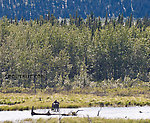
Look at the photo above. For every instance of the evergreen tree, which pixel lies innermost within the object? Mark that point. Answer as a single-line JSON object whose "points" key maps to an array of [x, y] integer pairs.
{"points": [[41, 20], [106, 19], [127, 22], [99, 23], [70, 20], [76, 18], [121, 19], [130, 20], [16, 21], [114, 24], [145, 21], [52, 19], [65, 21], [88, 21], [92, 17], [49, 17]]}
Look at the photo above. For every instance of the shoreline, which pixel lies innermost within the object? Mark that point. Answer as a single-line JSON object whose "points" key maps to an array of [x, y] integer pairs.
{"points": [[12, 102]]}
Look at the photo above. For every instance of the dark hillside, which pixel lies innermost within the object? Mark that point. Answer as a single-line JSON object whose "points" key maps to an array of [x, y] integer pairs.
{"points": [[62, 8]]}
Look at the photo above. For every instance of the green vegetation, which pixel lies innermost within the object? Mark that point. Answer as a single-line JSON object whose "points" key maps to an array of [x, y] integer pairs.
{"points": [[67, 59], [111, 97], [82, 120], [70, 54], [79, 63]]}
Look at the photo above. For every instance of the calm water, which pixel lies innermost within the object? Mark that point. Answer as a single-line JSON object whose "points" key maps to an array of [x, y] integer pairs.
{"points": [[105, 112]]}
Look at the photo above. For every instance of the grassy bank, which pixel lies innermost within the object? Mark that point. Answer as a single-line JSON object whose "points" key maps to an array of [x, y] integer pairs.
{"points": [[109, 95], [22, 101], [82, 120]]}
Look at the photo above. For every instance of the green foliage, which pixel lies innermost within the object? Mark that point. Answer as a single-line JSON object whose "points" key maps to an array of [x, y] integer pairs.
{"points": [[42, 54]]}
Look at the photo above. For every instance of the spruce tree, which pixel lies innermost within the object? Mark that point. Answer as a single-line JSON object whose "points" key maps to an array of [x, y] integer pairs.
{"points": [[76, 18], [65, 21], [16, 21], [52, 19], [106, 19], [121, 19], [70, 20], [130, 20], [99, 23]]}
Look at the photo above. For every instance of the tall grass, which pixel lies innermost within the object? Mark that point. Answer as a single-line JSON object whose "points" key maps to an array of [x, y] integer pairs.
{"points": [[41, 100], [79, 97], [81, 120]]}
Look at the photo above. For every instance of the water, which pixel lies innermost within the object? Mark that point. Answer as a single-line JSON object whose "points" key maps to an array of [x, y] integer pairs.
{"points": [[105, 112]]}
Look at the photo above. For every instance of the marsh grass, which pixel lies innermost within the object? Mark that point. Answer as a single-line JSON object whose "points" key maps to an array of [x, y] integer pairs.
{"points": [[86, 97], [81, 120], [42, 101]]}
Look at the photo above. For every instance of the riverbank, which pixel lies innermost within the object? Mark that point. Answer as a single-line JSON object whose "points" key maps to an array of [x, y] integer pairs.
{"points": [[81, 120], [88, 120], [22, 101]]}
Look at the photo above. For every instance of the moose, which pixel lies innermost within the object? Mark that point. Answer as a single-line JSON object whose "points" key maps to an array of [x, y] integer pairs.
{"points": [[55, 106]]}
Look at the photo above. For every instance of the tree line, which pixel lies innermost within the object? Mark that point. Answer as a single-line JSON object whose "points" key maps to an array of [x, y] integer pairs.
{"points": [[73, 52]]}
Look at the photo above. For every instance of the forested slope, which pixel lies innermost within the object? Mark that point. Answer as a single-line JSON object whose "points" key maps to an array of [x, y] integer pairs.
{"points": [[50, 53]]}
